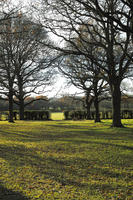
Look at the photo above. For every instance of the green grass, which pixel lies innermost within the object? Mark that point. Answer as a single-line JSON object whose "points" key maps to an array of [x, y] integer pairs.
{"points": [[57, 116], [76, 160]]}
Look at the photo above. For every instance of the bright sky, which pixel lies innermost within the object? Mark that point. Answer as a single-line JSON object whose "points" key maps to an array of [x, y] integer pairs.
{"points": [[60, 89]]}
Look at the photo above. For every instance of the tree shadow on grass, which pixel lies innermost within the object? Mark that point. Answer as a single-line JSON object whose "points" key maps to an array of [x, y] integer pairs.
{"points": [[6, 194], [64, 132], [58, 168], [65, 171]]}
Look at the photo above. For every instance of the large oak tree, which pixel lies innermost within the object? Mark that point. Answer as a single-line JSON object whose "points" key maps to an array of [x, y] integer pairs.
{"points": [[64, 19], [23, 60]]}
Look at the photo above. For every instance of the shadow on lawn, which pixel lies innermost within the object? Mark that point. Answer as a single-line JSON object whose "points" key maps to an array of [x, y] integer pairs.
{"points": [[72, 169], [67, 171], [6, 194], [63, 132]]}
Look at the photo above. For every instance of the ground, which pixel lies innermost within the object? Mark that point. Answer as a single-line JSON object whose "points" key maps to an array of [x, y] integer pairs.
{"points": [[76, 160]]}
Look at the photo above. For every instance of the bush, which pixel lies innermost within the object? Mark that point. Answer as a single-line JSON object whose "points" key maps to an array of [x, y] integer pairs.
{"points": [[75, 115], [36, 115], [126, 114], [66, 114]]}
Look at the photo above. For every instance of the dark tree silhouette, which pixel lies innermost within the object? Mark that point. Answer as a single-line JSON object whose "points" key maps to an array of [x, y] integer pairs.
{"points": [[113, 41]]}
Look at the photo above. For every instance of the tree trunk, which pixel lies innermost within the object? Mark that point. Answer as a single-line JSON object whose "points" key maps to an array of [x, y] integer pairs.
{"points": [[96, 104], [10, 106], [88, 103], [96, 94], [21, 97], [21, 109], [88, 106], [116, 106]]}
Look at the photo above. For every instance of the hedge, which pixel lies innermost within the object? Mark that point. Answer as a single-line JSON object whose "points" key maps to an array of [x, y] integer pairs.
{"points": [[28, 115], [36, 115], [77, 115]]}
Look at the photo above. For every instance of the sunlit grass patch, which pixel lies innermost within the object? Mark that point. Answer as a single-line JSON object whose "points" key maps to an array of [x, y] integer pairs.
{"points": [[57, 116], [77, 160]]}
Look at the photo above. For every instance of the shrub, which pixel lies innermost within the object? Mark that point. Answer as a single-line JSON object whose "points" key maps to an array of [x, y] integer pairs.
{"points": [[66, 114], [75, 115], [36, 115]]}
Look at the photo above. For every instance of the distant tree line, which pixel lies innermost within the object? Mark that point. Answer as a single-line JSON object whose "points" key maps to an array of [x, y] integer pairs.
{"points": [[67, 103]]}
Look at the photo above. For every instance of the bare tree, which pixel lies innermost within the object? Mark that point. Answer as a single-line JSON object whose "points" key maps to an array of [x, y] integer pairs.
{"points": [[32, 73], [27, 57], [7, 12], [105, 35], [123, 17], [86, 76], [7, 70]]}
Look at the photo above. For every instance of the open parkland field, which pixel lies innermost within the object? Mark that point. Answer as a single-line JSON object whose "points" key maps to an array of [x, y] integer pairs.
{"points": [[60, 159]]}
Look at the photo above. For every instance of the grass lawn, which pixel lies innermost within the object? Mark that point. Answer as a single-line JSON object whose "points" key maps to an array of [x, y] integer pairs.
{"points": [[57, 116], [76, 160]]}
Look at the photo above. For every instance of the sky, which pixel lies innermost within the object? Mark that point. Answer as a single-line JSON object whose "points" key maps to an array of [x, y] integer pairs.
{"points": [[60, 88]]}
